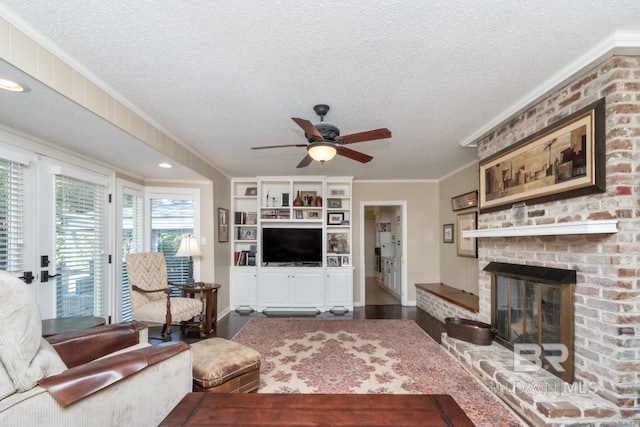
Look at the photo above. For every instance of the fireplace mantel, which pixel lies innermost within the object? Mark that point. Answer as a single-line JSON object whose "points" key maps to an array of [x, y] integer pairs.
{"points": [[576, 227]]}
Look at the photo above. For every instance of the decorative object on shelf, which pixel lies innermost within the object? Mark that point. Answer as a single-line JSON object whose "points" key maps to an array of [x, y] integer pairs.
{"points": [[333, 261], [318, 202], [337, 192], [223, 225], [519, 214], [344, 261], [247, 233], [313, 214], [298, 200], [566, 159], [298, 214], [189, 248], [334, 203], [465, 201], [467, 246], [338, 243], [308, 197], [285, 199], [335, 218], [447, 233], [251, 191]]}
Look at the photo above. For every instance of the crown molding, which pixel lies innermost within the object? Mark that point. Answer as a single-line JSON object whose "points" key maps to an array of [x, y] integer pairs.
{"points": [[618, 43]]}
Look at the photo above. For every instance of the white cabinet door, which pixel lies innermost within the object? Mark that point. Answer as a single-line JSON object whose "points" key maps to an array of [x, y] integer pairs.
{"points": [[274, 288], [339, 288], [244, 288], [307, 288]]}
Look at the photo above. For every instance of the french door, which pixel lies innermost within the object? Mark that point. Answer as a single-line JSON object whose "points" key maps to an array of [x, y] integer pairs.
{"points": [[53, 232]]}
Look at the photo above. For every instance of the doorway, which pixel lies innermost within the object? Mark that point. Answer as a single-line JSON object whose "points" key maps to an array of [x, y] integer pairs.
{"points": [[383, 248]]}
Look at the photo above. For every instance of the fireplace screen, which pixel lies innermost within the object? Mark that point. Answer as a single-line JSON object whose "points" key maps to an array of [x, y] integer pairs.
{"points": [[527, 311]]}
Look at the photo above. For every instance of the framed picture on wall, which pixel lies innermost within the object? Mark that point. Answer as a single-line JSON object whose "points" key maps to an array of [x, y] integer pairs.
{"points": [[447, 233], [467, 246], [223, 225]]}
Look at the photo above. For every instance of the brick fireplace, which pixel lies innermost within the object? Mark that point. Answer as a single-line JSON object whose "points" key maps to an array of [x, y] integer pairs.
{"points": [[606, 304]]}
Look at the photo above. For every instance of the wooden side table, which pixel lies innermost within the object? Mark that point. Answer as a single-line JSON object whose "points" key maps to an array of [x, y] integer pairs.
{"points": [[62, 325], [210, 295]]}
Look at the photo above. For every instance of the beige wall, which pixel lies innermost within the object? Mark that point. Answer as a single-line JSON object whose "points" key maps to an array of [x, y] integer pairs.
{"points": [[422, 225], [458, 272]]}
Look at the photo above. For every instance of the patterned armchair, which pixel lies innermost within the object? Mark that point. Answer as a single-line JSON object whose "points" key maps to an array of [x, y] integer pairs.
{"points": [[150, 295]]}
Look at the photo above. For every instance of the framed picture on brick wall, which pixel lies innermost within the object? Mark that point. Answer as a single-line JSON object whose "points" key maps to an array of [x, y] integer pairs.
{"points": [[566, 159]]}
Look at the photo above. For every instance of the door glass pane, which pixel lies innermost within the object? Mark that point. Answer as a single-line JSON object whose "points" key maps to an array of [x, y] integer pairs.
{"points": [[516, 294], [79, 219], [502, 306], [171, 219], [550, 307], [11, 217], [531, 312], [132, 242]]}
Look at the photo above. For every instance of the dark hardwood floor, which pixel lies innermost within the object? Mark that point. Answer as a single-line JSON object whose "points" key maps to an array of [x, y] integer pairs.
{"points": [[230, 324]]}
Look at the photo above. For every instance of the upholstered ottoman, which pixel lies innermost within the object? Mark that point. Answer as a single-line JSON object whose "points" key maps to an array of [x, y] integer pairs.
{"points": [[224, 366]]}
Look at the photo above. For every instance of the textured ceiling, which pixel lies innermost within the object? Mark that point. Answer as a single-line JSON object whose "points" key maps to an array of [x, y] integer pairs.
{"points": [[222, 77]]}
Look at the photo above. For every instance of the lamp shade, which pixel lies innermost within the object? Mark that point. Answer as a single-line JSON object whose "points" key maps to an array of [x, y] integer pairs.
{"points": [[321, 151], [189, 247]]}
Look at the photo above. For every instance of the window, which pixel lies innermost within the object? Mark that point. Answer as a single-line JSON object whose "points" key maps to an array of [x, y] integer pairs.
{"points": [[11, 216], [132, 241], [79, 231], [171, 219]]}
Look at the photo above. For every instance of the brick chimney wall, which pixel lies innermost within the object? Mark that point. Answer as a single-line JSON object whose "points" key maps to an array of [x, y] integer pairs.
{"points": [[607, 298]]}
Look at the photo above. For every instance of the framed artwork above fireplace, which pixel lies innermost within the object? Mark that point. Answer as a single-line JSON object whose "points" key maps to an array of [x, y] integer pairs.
{"points": [[566, 159]]}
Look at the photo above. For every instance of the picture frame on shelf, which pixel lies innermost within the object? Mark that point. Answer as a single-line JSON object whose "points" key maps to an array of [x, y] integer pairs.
{"points": [[337, 192], [308, 198], [563, 160], [299, 214], [338, 243], [251, 191], [333, 261], [344, 261], [247, 233], [334, 203], [335, 218], [313, 214], [447, 233], [223, 225], [467, 246]]}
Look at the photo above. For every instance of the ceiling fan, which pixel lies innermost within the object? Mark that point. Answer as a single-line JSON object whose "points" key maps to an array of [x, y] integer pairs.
{"points": [[325, 140]]}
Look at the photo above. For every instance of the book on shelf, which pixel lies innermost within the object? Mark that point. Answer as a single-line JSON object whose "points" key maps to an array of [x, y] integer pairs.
{"points": [[243, 258], [249, 218]]}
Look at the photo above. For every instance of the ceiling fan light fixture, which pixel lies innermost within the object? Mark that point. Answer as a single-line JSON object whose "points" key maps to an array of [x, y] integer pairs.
{"points": [[322, 151]]}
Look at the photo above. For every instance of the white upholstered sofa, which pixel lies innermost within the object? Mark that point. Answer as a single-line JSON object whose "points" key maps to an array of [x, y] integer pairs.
{"points": [[108, 375]]}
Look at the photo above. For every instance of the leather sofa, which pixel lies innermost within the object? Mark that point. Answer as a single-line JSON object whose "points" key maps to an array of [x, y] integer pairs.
{"points": [[107, 375]]}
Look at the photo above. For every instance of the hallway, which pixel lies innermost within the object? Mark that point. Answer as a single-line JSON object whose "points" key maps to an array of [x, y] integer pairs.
{"points": [[375, 295]]}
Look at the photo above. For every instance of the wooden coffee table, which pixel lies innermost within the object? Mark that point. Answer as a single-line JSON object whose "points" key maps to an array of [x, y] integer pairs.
{"points": [[204, 409]]}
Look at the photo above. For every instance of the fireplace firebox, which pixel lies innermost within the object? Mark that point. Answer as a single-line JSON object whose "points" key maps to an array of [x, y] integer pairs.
{"points": [[533, 312]]}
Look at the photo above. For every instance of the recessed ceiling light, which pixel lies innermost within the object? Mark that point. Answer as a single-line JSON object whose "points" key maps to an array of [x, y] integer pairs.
{"points": [[11, 86], [165, 165]]}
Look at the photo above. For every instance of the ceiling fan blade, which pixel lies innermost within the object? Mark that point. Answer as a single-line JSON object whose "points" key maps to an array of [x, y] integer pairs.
{"points": [[305, 162], [278, 146], [308, 127], [354, 155], [369, 135]]}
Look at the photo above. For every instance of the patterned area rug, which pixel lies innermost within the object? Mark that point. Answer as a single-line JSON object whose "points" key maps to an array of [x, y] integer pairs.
{"points": [[365, 356]]}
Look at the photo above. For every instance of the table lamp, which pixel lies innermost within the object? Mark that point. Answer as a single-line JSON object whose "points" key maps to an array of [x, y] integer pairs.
{"points": [[189, 247]]}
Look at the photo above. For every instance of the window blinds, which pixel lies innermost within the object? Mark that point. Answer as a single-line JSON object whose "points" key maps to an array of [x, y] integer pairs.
{"points": [[79, 218], [11, 216]]}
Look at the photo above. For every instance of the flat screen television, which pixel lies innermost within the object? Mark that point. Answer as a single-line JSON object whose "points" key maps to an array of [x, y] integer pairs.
{"points": [[292, 245]]}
